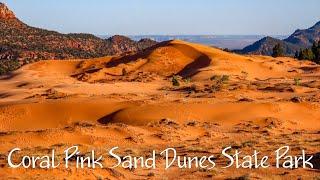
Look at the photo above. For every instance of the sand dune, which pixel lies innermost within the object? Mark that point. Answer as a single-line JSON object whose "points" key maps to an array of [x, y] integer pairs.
{"points": [[57, 114], [37, 116], [55, 80], [224, 114], [130, 101], [192, 60]]}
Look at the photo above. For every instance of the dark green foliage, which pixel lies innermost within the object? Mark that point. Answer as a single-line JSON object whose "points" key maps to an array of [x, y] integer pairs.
{"points": [[225, 78], [316, 51], [306, 54], [175, 81], [8, 66], [277, 51], [297, 81], [227, 50], [187, 80], [312, 53], [222, 79], [296, 55]]}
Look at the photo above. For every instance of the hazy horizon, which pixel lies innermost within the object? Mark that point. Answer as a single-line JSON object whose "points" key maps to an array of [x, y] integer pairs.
{"points": [[179, 17]]}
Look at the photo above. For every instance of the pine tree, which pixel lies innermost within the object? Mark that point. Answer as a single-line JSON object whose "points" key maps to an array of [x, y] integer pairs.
{"points": [[316, 51], [300, 56], [317, 54], [309, 54], [314, 46], [296, 55], [306, 54], [277, 51]]}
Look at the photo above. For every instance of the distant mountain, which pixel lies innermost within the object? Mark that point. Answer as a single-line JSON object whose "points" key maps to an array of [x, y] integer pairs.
{"points": [[265, 46], [222, 41], [21, 44], [298, 40], [305, 38]]}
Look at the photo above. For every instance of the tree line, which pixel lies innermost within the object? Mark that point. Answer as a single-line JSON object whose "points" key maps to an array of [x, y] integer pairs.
{"points": [[312, 54]]}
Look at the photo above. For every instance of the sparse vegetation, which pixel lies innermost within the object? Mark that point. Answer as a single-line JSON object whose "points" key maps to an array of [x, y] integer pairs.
{"points": [[297, 81], [225, 78], [227, 50], [175, 81], [187, 80], [178, 80], [219, 81], [124, 72], [312, 53], [8, 66], [245, 74]]}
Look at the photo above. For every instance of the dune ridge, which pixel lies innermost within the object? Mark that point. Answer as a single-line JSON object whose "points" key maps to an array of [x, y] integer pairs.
{"points": [[222, 99], [188, 60]]}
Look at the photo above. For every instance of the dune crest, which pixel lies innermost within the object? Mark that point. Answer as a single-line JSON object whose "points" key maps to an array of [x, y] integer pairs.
{"points": [[187, 60], [216, 99]]}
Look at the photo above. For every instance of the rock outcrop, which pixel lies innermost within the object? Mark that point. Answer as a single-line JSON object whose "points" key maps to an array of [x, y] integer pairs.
{"points": [[300, 39], [21, 44]]}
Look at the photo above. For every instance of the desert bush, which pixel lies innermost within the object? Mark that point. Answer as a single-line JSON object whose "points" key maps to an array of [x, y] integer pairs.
{"points": [[187, 80], [245, 74], [297, 81], [220, 81], [225, 78], [175, 81], [218, 78], [124, 72]]}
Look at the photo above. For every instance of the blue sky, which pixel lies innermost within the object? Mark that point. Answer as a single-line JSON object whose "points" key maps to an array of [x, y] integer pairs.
{"points": [[136, 17]]}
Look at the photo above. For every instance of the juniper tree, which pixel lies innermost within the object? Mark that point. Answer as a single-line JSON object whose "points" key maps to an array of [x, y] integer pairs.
{"points": [[277, 51]]}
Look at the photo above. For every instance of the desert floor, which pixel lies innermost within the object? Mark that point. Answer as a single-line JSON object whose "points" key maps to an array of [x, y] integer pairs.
{"points": [[223, 99]]}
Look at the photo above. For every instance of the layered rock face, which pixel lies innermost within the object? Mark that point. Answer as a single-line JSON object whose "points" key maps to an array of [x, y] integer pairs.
{"points": [[5, 12]]}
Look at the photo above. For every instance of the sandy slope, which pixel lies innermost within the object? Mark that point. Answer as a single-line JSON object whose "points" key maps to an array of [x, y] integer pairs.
{"points": [[130, 102], [187, 59]]}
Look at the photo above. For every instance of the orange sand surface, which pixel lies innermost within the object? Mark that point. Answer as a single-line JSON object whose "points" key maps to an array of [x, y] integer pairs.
{"points": [[224, 99]]}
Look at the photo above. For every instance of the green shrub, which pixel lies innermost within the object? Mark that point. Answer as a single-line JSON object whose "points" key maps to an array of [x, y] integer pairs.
{"points": [[219, 82], [187, 80], [225, 78], [175, 81], [297, 81], [221, 79]]}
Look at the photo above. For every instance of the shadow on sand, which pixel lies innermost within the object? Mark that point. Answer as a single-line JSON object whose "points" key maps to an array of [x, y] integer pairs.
{"points": [[108, 118]]}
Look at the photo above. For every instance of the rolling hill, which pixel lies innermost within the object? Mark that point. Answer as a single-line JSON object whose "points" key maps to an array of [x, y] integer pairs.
{"points": [[298, 40], [21, 44], [176, 57]]}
